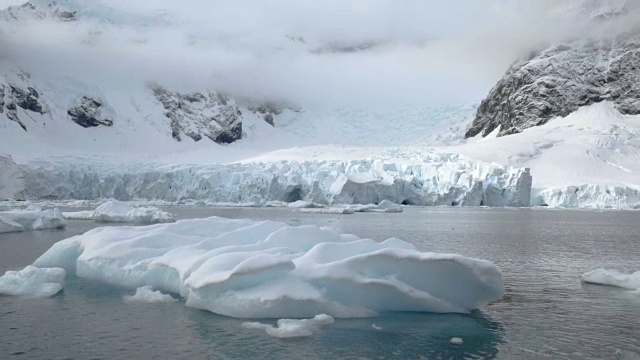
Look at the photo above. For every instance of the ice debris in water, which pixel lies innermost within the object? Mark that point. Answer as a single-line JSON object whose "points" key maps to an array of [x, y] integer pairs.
{"points": [[248, 269], [376, 327], [146, 294], [32, 282], [293, 328], [78, 215], [456, 341], [35, 219], [118, 211], [613, 278], [8, 225], [333, 210]]}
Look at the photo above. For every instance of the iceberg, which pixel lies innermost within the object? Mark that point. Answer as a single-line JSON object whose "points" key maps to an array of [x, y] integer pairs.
{"points": [[8, 225], [613, 278], [146, 294], [329, 210], [293, 328], [385, 206], [36, 219], [32, 282], [118, 211], [78, 215], [265, 269]]}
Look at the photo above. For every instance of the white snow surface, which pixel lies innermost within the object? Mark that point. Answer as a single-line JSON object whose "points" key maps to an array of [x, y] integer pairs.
{"points": [[146, 294], [36, 219], [293, 328], [32, 282], [118, 211], [613, 278], [8, 225], [248, 269]]}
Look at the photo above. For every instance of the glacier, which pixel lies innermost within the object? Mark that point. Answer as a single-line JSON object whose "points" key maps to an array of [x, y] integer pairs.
{"points": [[430, 179], [12, 184], [249, 269]]}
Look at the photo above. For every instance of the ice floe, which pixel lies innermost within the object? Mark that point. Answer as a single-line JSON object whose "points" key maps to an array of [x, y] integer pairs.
{"points": [[8, 225], [118, 211], [36, 219], [146, 294], [293, 328], [32, 282], [248, 269], [613, 278]]}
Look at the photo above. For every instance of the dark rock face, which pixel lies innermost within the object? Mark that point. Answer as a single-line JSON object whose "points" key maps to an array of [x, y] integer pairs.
{"points": [[88, 113], [199, 115], [559, 80], [268, 111], [13, 97]]}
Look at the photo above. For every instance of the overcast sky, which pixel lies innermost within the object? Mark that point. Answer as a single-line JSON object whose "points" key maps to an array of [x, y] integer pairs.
{"points": [[424, 51]]}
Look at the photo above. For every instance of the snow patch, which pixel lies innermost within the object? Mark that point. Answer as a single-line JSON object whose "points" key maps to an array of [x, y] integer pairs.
{"points": [[36, 219], [146, 294], [248, 269], [293, 328], [613, 278], [32, 282]]}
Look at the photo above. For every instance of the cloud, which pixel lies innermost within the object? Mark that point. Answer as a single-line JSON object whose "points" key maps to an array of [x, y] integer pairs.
{"points": [[332, 52]]}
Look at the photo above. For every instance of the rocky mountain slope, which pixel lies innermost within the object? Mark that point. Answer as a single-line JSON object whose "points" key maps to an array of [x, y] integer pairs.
{"points": [[554, 82]]}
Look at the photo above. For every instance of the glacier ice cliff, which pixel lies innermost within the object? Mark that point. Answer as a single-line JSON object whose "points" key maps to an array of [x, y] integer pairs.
{"points": [[434, 179]]}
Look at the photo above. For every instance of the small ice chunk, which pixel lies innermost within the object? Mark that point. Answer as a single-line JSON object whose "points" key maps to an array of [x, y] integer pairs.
{"points": [[32, 282], [343, 211], [376, 327], [385, 206], [301, 204], [78, 215], [293, 328], [8, 225], [36, 219], [456, 340], [146, 294], [613, 278], [118, 211]]}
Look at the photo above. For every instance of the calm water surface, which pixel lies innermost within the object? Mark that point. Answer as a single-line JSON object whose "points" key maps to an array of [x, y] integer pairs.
{"points": [[546, 313]]}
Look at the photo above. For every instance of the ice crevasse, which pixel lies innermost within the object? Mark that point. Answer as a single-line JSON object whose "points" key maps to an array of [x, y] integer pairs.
{"points": [[248, 269], [431, 179]]}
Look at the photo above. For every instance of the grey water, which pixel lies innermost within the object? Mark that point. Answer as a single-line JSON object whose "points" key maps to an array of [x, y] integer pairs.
{"points": [[546, 313]]}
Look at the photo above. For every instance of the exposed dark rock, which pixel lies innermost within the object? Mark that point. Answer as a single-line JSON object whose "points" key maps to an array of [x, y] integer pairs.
{"points": [[559, 80], [89, 113], [13, 97], [199, 115], [268, 111]]}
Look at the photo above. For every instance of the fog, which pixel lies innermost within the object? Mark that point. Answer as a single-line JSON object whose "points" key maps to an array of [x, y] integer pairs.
{"points": [[303, 52]]}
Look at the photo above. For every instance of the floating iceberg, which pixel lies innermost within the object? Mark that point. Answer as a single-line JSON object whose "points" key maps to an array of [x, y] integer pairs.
{"points": [[292, 328], [32, 282], [329, 210], [78, 215], [118, 211], [248, 269], [8, 225], [36, 219], [146, 294], [613, 278], [384, 206]]}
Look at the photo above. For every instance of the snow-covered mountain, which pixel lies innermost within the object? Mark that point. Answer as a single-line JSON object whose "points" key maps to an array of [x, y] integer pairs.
{"points": [[107, 98]]}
